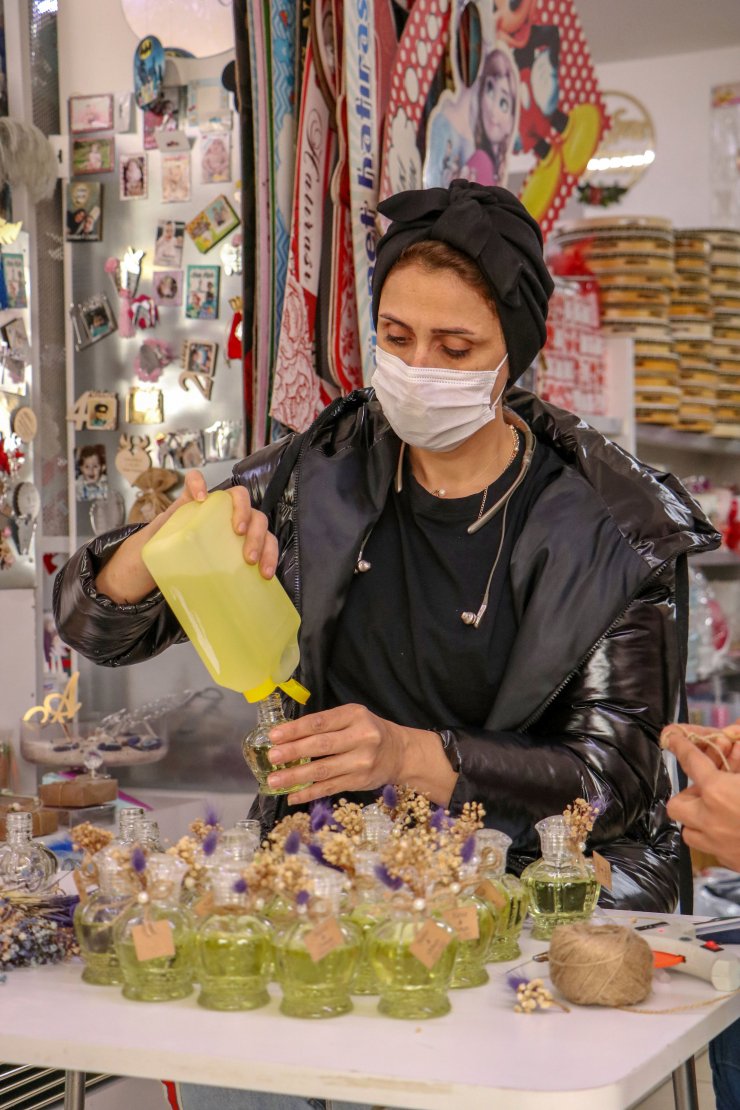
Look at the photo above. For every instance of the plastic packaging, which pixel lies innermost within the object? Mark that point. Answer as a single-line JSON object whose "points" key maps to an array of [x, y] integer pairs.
{"points": [[243, 626]]}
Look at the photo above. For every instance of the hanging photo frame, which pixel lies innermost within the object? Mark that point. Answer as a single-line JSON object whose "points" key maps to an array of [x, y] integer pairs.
{"points": [[212, 224], [93, 156], [202, 292], [84, 211], [92, 320], [199, 362], [133, 176], [91, 113]]}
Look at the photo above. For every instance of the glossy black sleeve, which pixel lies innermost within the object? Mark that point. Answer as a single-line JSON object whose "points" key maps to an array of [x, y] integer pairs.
{"points": [[598, 739]]}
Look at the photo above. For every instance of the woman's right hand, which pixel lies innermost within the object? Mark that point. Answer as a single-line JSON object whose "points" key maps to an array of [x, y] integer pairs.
{"points": [[126, 580], [260, 545]]}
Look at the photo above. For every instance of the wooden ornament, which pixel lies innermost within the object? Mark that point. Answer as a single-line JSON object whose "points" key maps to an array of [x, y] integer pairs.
{"points": [[133, 459]]}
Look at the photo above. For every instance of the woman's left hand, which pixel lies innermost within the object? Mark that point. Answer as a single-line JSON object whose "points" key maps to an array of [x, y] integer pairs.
{"points": [[349, 748]]}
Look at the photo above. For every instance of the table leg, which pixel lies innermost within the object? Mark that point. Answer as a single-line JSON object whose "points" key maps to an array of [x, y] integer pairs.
{"points": [[74, 1090], [685, 1094]]}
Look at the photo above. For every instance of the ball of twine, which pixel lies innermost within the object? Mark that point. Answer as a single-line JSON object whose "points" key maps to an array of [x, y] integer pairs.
{"points": [[600, 965]]}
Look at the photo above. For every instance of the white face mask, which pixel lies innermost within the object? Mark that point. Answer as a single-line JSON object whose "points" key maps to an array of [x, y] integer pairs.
{"points": [[437, 409]]}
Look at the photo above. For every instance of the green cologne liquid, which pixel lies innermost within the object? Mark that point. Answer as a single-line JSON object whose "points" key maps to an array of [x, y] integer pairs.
{"points": [[233, 962], [508, 919], [561, 885], [317, 989], [259, 764], [96, 948], [469, 969], [408, 989]]}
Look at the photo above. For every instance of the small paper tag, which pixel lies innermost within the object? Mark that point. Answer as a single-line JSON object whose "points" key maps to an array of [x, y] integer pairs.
{"points": [[492, 894], [602, 870], [204, 905], [152, 940], [430, 943], [464, 920], [323, 939]]}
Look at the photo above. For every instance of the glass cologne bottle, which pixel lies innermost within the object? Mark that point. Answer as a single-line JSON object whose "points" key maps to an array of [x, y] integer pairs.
{"points": [[256, 746], [562, 887], [233, 950]]}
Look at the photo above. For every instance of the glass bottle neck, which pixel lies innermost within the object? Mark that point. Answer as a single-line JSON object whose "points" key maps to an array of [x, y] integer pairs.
{"points": [[270, 710], [19, 828]]}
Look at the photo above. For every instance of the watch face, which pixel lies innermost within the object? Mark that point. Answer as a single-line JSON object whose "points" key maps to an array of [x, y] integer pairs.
{"points": [[26, 500], [107, 512]]}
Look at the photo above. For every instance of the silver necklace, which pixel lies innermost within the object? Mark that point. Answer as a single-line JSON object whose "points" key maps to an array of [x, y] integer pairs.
{"points": [[470, 618], [509, 461]]}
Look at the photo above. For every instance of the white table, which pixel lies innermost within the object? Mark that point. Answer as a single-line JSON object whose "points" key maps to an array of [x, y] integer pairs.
{"points": [[481, 1056]]}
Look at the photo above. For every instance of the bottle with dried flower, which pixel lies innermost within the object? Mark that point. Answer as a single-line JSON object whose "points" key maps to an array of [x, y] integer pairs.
{"points": [[256, 746], [505, 894], [96, 915], [24, 864], [368, 907], [413, 954], [233, 948], [562, 887], [154, 937], [471, 918], [318, 954]]}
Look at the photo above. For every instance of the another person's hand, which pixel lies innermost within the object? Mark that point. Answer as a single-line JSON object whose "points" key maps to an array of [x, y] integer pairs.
{"points": [[352, 749], [722, 746], [709, 809]]}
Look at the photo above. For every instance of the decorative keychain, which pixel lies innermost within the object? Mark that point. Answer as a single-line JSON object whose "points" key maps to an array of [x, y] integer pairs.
{"points": [[26, 502]]}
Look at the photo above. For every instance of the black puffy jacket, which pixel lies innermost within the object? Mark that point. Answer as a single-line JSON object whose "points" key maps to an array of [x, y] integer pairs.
{"points": [[593, 673]]}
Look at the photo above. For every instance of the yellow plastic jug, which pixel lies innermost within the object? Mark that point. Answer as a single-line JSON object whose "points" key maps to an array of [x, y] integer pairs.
{"points": [[243, 626]]}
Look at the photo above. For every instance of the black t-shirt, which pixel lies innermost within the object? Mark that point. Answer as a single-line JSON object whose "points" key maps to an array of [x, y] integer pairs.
{"points": [[401, 648]]}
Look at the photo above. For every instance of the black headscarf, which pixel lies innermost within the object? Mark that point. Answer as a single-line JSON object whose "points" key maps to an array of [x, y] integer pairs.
{"points": [[490, 225]]}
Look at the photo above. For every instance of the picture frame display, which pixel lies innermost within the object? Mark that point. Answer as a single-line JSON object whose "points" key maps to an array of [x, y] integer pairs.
{"points": [[167, 288], [212, 224], [84, 211], [14, 273], [169, 243], [91, 113], [202, 292], [133, 176], [175, 178], [93, 156]]}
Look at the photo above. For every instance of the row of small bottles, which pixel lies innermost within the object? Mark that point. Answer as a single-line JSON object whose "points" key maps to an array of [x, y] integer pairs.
{"points": [[409, 951]]}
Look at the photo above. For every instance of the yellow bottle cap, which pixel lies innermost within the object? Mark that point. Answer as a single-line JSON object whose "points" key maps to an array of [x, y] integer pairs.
{"points": [[291, 687]]}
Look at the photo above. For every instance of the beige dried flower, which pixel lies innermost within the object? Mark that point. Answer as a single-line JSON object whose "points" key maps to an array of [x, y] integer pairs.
{"points": [[89, 838]]}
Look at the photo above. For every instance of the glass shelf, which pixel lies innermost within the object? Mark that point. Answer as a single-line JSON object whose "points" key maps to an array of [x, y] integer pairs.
{"points": [[650, 436]]}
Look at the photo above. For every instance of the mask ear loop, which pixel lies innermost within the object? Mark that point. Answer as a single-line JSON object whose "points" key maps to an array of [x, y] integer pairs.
{"points": [[529, 445]]}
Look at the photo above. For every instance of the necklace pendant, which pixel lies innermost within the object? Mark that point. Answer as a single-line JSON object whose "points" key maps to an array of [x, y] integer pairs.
{"points": [[439, 492]]}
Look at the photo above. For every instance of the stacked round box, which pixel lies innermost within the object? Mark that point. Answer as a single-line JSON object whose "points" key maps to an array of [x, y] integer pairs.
{"points": [[692, 317], [724, 244], [632, 258]]}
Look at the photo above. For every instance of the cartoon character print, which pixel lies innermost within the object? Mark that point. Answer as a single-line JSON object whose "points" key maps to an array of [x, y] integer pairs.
{"points": [[563, 141]]}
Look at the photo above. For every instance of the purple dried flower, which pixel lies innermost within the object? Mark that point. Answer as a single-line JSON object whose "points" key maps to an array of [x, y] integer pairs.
{"points": [[468, 850], [211, 817], [439, 820], [391, 881], [210, 842], [515, 980], [292, 843], [390, 796], [240, 886], [318, 855], [321, 815], [302, 897], [138, 860]]}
